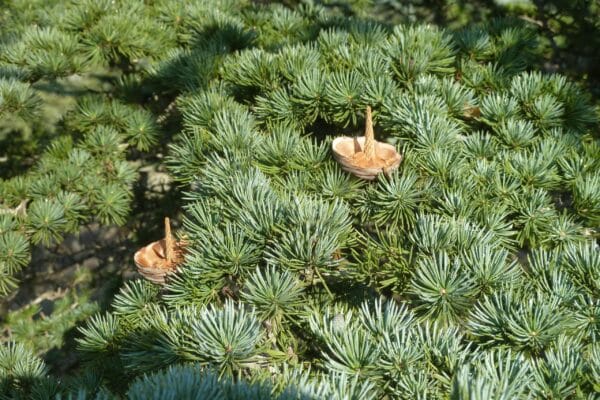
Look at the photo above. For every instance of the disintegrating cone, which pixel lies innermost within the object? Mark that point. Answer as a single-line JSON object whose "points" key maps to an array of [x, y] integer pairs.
{"points": [[19, 211], [158, 259], [363, 156]]}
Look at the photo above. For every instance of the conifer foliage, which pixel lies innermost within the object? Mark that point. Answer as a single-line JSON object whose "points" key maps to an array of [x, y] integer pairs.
{"points": [[472, 272]]}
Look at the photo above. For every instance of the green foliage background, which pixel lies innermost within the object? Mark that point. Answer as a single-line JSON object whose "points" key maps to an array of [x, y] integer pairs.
{"points": [[471, 273]]}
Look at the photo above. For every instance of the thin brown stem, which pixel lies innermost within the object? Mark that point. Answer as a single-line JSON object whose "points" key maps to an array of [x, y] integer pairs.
{"points": [[168, 242], [369, 149]]}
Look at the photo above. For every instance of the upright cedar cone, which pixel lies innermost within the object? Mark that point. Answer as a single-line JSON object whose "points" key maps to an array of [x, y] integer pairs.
{"points": [[363, 156], [161, 258]]}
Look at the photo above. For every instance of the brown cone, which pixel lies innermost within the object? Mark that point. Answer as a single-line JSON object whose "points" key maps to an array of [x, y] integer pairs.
{"points": [[363, 156], [158, 259]]}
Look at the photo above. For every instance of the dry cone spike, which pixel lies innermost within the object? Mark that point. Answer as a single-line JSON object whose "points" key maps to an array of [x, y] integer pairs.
{"points": [[363, 156], [158, 259]]}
